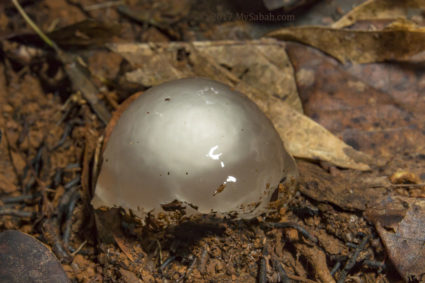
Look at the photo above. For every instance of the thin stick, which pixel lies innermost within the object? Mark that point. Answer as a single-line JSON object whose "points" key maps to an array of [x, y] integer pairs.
{"points": [[17, 213], [408, 185], [167, 262], [79, 248], [300, 229], [104, 5], [419, 185], [262, 274], [73, 69], [352, 261], [282, 273], [40, 33]]}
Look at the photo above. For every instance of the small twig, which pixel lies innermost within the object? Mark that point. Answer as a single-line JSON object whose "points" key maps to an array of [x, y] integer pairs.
{"points": [[79, 249], [83, 83], [167, 262], [351, 245], [66, 132], [68, 110], [68, 222], [72, 183], [20, 198], [282, 274], [71, 166], [24, 132], [335, 268], [36, 161], [28, 185], [64, 204], [50, 233], [96, 163], [46, 204], [103, 5], [203, 260], [41, 34], [188, 270], [374, 264], [300, 229], [72, 68], [159, 251], [57, 179], [262, 272], [17, 213], [352, 261], [399, 186], [408, 185]]}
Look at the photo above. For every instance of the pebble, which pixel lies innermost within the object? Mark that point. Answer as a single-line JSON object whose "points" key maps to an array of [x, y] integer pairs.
{"points": [[23, 258]]}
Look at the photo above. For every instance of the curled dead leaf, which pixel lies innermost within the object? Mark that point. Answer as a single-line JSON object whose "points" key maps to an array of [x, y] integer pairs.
{"points": [[398, 42], [400, 224], [380, 9]]}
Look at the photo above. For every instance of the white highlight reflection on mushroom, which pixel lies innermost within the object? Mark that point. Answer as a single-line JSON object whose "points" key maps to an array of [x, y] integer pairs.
{"points": [[231, 179], [214, 156], [196, 141]]}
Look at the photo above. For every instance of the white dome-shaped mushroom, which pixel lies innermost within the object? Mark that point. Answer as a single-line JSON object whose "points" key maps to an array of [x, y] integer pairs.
{"points": [[195, 141]]}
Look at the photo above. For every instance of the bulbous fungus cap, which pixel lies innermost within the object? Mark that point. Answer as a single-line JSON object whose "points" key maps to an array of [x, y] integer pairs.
{"points": [[195, 141]]}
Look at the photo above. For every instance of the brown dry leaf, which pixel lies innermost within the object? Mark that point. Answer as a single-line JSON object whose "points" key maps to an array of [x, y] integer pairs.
{"points": [[162, 13], [264, 66], [376, 108], [381, 9], [404, 177], [125, 246], [306, 139], [261, 64], [83, 83], [219, 60], [84, 34], [343, 191], [400, 223], [397, 42]]}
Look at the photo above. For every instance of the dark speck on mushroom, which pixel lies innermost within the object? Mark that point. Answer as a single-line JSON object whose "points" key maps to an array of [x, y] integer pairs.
{"points": [[167, 99], [219, 189]]}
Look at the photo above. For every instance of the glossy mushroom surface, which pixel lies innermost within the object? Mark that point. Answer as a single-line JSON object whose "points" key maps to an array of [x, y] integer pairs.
{"points": [[195, 141]]}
